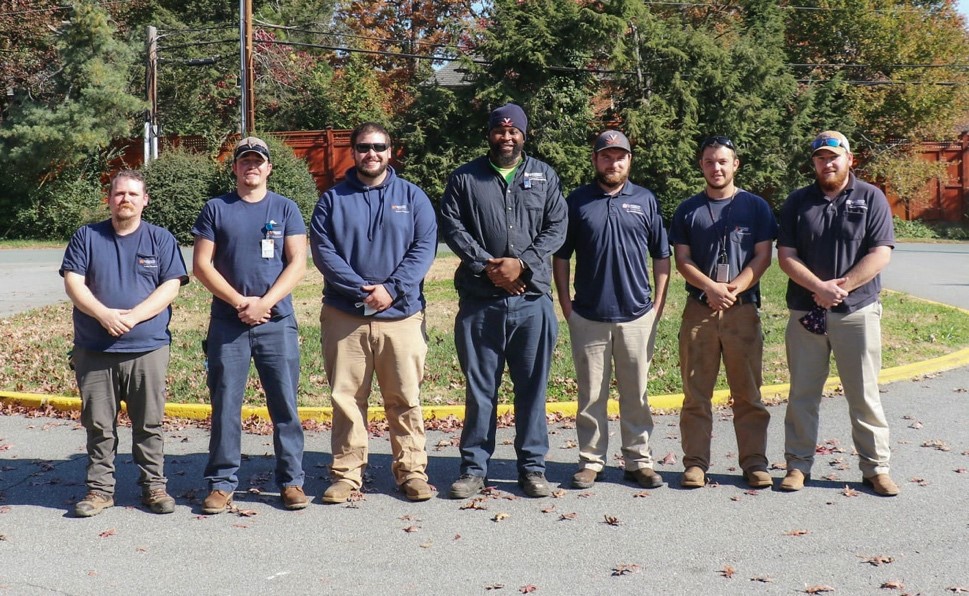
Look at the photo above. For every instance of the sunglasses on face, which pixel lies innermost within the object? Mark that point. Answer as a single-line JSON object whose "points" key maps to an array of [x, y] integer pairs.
{"points": [[827, 142], [717, 140], [366, 147]]}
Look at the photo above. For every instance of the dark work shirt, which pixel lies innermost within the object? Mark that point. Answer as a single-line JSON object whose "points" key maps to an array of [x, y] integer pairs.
{"points": [[831, 237], [611, 236], [483, 217], [736, 226]]}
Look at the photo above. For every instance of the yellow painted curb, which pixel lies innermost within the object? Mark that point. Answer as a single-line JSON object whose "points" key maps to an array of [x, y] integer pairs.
{"points": [[660, 402]]}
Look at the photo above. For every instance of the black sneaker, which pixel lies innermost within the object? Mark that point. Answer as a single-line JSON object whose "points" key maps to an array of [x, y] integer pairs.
{"points": [[466, 486], [534, 484]]}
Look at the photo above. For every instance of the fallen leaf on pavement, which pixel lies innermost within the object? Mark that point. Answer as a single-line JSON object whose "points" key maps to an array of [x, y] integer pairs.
{"points": [[567, 516], [548, 509], [668, 460], [412, 529], [849, 492], [612, 520], [937, 445], [475, 504], [640, 494], [528, 589], [728, 571], [107, 533], [625, 569], [818, 589], [500, 516], [558, 494], [494, 586], [892, 585], [764, 579], [878, 560], [797, 532]]}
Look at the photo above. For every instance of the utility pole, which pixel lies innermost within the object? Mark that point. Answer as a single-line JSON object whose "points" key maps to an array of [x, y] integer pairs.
{"points": [[151, 89], [247, 79]]}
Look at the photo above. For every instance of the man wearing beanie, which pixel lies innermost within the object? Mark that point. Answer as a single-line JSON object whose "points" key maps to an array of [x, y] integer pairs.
{"points": [[503, 215], [613, 225]]}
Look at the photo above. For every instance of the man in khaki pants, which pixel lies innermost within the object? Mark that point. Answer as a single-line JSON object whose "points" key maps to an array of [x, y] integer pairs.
{"points": [[374, 237], [835, 237], [613, 225]]}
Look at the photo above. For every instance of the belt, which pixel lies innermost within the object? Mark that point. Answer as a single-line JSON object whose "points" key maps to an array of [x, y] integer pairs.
{"points": [[742, 299]]}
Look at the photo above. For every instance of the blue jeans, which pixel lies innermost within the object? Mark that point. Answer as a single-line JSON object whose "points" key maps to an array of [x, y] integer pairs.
{"points": [[519, 331], [275, 349]]}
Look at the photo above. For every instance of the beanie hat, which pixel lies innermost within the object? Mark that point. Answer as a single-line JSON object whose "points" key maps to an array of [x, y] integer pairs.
{"points": [[508, 115]]}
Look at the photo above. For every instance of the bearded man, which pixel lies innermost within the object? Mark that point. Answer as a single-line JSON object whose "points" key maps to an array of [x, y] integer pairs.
{"points": [[613, 225], [835, 237], [503, 215]]}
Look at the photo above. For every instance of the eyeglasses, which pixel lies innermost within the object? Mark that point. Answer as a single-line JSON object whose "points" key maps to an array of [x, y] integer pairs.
{"points": [[827, 142], [366, 147], [717, 140]]}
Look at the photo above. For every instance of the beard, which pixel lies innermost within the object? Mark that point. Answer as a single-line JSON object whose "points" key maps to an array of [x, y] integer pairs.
{"points": [[504, 158], [611, 179], [372, 169], [833, 183]]}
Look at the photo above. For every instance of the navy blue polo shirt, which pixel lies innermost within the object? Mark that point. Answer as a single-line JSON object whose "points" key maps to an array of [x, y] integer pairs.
{"points": [[831, 237], [611, 236], [735, 225]]}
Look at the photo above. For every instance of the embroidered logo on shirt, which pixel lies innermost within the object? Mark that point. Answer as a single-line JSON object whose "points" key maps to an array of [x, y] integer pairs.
{"points": [[632, 208], [400, 208], [856, 205], [148, 262], [535, 176], [274, 234]]}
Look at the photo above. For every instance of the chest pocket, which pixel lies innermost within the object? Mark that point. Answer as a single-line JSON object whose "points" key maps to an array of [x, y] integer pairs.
{"points": [[147, 265]]}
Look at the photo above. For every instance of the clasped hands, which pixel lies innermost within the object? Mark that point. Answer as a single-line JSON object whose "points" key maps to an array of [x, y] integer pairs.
{"points": [[506, 273]]}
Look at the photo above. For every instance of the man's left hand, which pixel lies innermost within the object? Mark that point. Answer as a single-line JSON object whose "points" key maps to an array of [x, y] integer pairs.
{"points": [[378, 298]]}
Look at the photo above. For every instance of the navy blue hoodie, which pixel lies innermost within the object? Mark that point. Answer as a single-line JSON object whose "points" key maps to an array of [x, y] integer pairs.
{"points": [[367, 235]]}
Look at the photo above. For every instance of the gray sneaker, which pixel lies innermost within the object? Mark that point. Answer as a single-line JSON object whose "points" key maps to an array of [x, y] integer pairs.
{"points": [[92, 504], [534, 484], [466, 486]]}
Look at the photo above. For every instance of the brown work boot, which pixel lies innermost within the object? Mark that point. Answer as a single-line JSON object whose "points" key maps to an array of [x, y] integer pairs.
{"points": [[794, 481], [758, 478], [585, 478], [217, 502], [92, 504], [338, 492], [882, 484], [294, 498], [417, 489], [158, 500], [693, 477], [644, 477]]}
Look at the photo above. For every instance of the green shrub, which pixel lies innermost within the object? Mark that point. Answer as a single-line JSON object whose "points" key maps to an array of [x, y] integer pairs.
{"points": [[941, 230], [179, 183], [291, 177], [56, 209], [911, 229]]}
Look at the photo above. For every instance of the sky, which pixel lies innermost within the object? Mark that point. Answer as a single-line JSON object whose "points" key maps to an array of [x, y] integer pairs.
{"points": [[963, 7]]}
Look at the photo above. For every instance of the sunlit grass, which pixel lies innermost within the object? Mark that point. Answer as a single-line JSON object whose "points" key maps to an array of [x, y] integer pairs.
{"points": [[34, 344]]}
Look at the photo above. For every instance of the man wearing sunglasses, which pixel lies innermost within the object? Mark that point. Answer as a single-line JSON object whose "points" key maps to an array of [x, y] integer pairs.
{"points": [[503, 215], [722, 241], [613, 225], [835, 238], [374, 237]]}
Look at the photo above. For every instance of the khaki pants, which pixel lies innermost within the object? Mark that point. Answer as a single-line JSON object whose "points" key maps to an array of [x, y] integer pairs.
{"points": [[354, 348], [595, 347], [735, 335], [855, 339]]}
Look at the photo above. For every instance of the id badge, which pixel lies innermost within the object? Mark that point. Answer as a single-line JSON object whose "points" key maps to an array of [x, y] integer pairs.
{"points": [[268, 248], [723, 273]]}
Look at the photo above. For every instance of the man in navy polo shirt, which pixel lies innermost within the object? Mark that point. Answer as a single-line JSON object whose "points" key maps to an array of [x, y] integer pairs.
{"points": [[835, 238], [613, 225], [122, 275], [250, 252], [722, 241], [503, 215]]}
